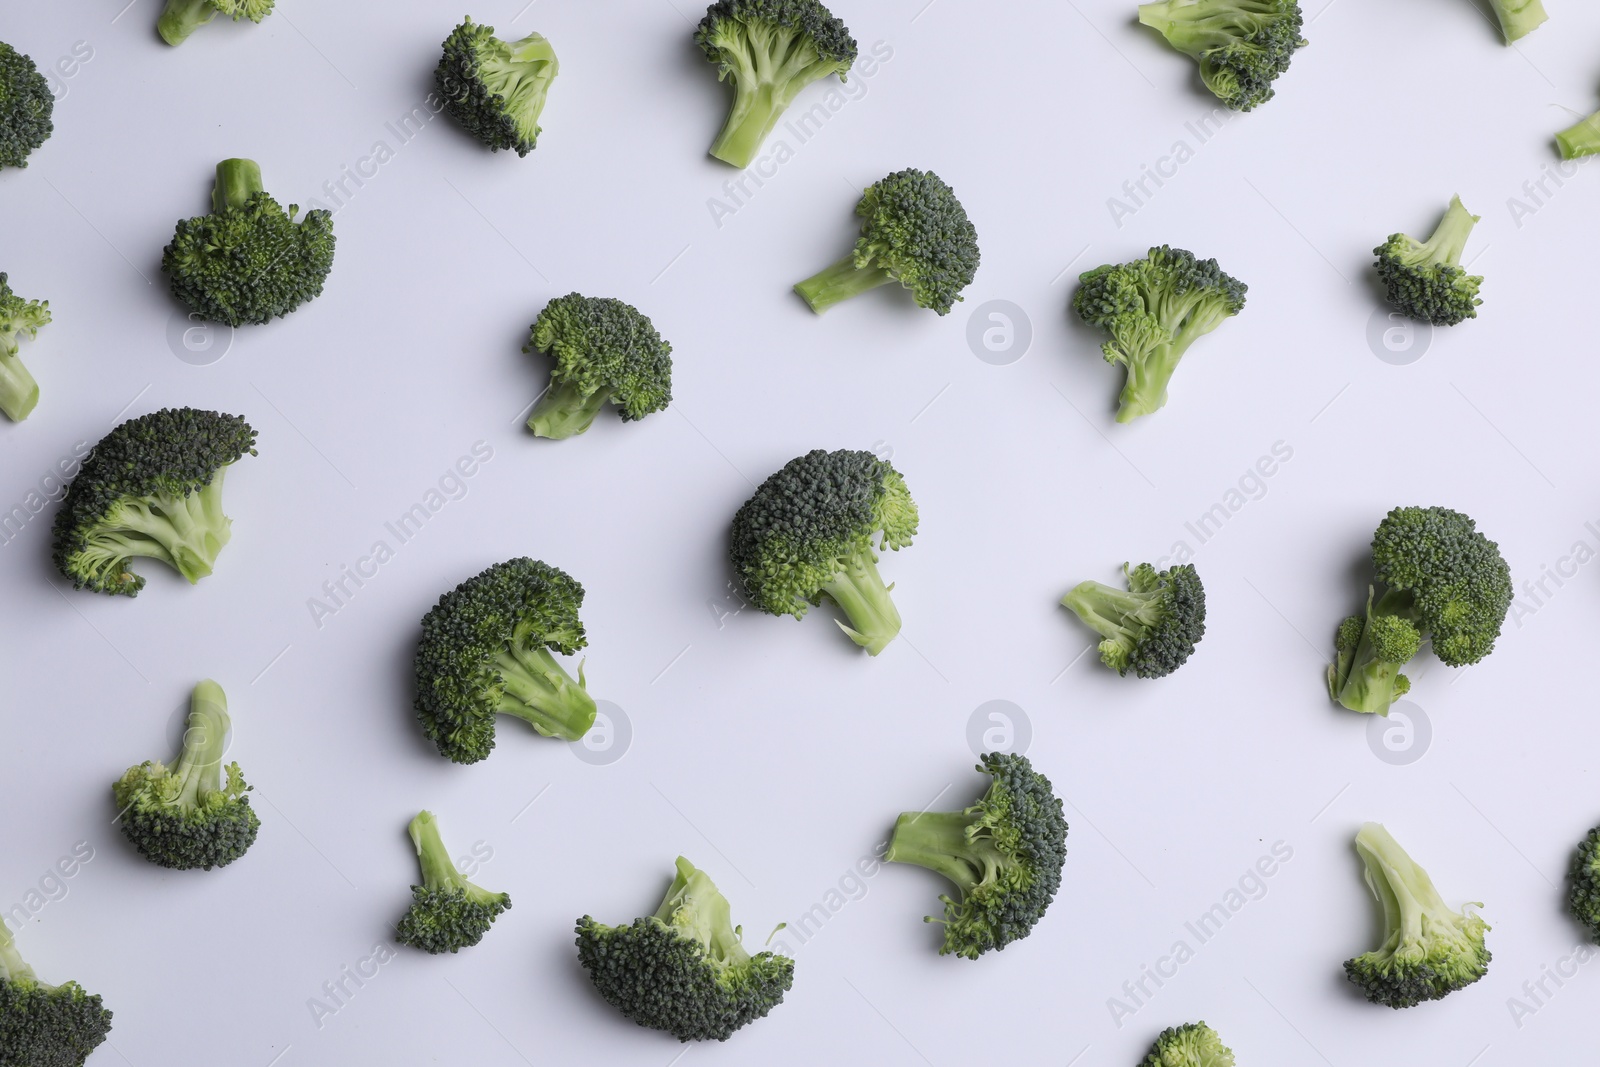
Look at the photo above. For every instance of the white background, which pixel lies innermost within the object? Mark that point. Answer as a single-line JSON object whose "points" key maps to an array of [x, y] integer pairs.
{"points": [[769, 751]]}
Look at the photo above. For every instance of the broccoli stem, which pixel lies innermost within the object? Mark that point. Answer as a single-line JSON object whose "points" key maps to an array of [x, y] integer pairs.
{"points": [[186, 532], [205, 742], [859, 591], [539, 692], [13, 968], [1407, 893], [1581, 139], [183, 17], [763, 89], [19, 393], [1370, 684], [840, 282], [1107, 610], [565, 412], [237, 181], [697, 907], [1450, 239], [1518, 18], [939, 841], [754, 113]]}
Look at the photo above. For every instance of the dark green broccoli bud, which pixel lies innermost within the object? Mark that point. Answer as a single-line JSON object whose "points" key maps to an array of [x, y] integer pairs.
{"points": [[1154, 309], [1189, 1045], [770, 50], [19, 318], [195, 812], [495, 90], [1004, 855], [684, 969], [26, 105], [448, 913], [1150, 628], [183, 17], [1518, 18], [485, 650], [809, 532], [916, 233], [1429, 950], [1425, 281], [1370, 650], [44, 1025], [1242, 46], [603, 350], [152, 487], [1584, 897], [1581, 139]]}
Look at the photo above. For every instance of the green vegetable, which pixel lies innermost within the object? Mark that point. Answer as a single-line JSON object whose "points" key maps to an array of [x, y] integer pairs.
{"points": [[183, 17], [1584, 898], [1518, 18], [1189, 1045], [1242, 46], [448, 913], [26, 105], [1580, 139], [44, 1025], [19, 319], [1425, 280], [495, 90], [1151, 627], [604, 350]]}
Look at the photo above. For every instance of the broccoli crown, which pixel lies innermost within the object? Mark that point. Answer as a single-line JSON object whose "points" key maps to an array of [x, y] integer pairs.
{"points": [[1150, 628], [496, 90], [26, 105], [684, 969], [45, 1025], [448, 913], [1004, 855], [1457, 580], [1189, 1045], [603, 350], [151, 487], [1584, 897], [1425, 280], [917, 232], [19, 318], [1242, 46]]}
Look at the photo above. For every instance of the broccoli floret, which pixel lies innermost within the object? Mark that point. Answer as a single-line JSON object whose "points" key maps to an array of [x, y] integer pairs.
{"points": [[448, 913], [1518, 18], [1584, 898], [808, 533], [684, 969], [1150, 628], [248, 260], [1425, 281], [770, 50], [603, 350], [1429, 950], [1189, 1045], [1242, 46], [44, 1025], [916, 233], [1004, 855], [1154, 309], [183, 17], [26, 105], [485, 650], [496, 90], [19, 318], [194, 813], [1440, 578], [151, 487]]}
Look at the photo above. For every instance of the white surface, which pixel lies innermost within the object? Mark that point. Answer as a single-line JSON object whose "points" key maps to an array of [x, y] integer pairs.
{"points": [[769, 751]]}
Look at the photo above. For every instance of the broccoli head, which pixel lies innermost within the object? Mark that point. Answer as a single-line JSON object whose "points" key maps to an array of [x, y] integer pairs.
{"points": [[684, 969], [151, 487], [603, 350], [1429, 950], [1150, 628], [1584, 897], [448, 913], [44, 1025], [1154, 309], [485, 650], [495, 90], [1518, 18], [26, 105], [1004, 855], [1425, 280], [769, 50], [19, 318], [814, 530], [914, 232], [1189, 1045], [195, 812], [248, 260], [1242, 46], [183, 17]]}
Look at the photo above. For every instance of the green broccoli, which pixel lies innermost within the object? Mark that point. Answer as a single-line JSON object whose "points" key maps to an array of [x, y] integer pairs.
{"points": [[26, 105], [1439, 577], [1154, 309], [1425, 281], [19, 318], [1584, 898], [194, 813], [1189, 1045], [183, 17], [603, 350], [1518, 18], [448, 913], [809, 532], [248, 260], [152, 487], [916, 233], [770, 50], [684, 969], [1004, 855], [495, 90], [1581, 139], [1429, 950], [485, 650], [1242, 46], [1150, 628], [44, 1025]]}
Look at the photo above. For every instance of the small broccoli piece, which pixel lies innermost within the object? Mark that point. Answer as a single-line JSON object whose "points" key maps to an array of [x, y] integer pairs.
{"points": [[44, 1025], [1154, 309], [1429, 950], [1150, 628], [1004, 855], [1425, 281], [485, 650], [1584, 898], [808, 533], [770, 50], [1581, 139], [916, 233], [1189, 1045], [603, 350], [1365, 674], [495, 90], [183, 17], [684, 969], [1518, 18], [448, 913], [194, 813], [152, 487], [26, 105], [19, 318], [1242, 46]]}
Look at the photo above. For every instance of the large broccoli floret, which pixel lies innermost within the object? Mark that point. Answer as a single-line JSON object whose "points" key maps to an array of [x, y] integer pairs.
{"points": [[44, 1025], [248, 260], [603, 350], [1584, 896], [1151, 627], [485, 650], [1518, 18], [1242, 46], [1429, 950], [496, 90], [1189, 1045], [814, 530], [1004, 855], [448, 913], [195, 812], [26, 105], [183, 17], [684, 969], [916, 233], [1425, 280], [152, 487], [19, 318], [770, 50]]}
